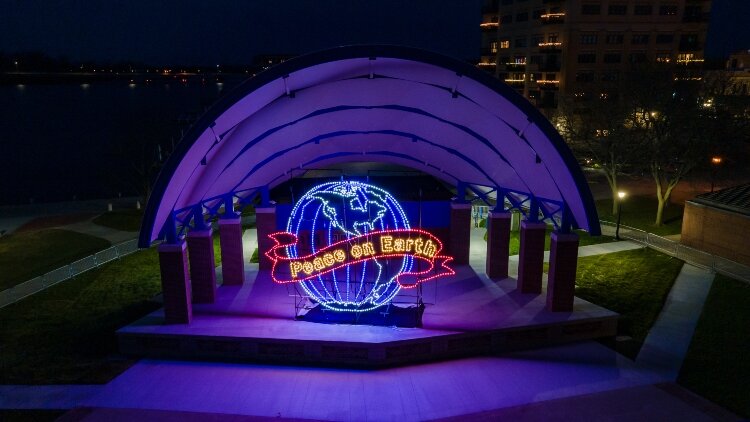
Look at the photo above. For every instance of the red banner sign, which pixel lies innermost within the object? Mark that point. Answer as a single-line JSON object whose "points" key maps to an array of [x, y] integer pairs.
{"points": [[386, 244]]}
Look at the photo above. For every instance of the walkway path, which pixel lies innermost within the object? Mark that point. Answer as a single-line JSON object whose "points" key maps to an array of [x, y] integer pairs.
{"points": [[668, 340], [114, 236], [515, 383], [46, 396]]}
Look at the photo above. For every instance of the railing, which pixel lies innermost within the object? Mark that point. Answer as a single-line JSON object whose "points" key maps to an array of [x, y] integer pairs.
{"points": [[27, 288], [690, 255]]}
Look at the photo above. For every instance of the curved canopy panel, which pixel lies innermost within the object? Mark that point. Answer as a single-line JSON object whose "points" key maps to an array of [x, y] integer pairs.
{"points": [[371, 103]]}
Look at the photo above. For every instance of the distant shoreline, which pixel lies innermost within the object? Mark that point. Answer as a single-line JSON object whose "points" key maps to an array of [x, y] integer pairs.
{"points": [[42, 78]]}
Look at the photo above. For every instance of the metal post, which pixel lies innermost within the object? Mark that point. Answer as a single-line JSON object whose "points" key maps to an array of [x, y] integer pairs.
{"points": [[619, 215]]}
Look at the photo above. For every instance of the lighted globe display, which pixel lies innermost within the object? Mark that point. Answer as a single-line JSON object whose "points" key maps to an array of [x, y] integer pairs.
{"points": [[332, 213]]}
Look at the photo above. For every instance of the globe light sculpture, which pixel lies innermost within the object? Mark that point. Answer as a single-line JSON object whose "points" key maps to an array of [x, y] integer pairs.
{"points": [[350, 247]]}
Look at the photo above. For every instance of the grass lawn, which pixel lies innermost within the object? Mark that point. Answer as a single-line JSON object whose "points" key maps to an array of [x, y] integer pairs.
{"points": [[640, 212], [25, 255], [125, 220], [584, 239], [633, 283], [66, 334], [717, 365]]}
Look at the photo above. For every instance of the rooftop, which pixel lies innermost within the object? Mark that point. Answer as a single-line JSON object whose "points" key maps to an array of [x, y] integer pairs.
{"points": [[735, 199]]}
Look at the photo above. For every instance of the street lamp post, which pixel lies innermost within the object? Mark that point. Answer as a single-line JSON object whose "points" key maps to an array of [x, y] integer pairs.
{"points": [[621, 195], [715, 161]]}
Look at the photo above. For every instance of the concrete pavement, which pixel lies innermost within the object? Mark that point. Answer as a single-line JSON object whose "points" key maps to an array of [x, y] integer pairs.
{"points": [[531, 384]]}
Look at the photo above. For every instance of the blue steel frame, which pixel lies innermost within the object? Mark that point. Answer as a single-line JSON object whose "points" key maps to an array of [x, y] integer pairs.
{"points": [[180, 219]]}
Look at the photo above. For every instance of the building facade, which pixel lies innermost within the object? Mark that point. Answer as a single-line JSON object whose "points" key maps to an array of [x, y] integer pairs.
{"points": [[548, 48], [738, 68]]}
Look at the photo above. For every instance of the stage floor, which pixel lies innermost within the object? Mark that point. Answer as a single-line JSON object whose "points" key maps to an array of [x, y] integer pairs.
{"points": [[466, 314]]}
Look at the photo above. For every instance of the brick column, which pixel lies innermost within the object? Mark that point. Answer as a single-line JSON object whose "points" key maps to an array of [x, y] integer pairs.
{"points": [[460, 232], [531, 257], [265, 222], [563, 260], [498, 244], [202, 265], [232, 259], [175, 282]]}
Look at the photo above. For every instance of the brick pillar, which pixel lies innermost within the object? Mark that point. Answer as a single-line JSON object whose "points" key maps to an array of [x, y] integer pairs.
{"points": [[232, 259], [175, 282], [460, 232], [531, 257], [265, 222], [498, 244], [563, 260], [202, 265]]}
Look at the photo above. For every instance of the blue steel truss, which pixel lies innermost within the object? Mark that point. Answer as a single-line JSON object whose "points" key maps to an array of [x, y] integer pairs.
{"points": [[197, 216]]}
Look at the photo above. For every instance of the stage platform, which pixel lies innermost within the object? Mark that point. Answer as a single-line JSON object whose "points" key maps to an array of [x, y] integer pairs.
{"points": [[465, 315]]}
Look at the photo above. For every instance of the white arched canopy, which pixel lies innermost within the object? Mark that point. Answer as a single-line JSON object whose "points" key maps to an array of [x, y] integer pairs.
{"points": [[370, 103]]}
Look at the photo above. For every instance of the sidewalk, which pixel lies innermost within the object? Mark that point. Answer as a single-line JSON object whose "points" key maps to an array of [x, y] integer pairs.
{"points": [[581, 380], [668, 340], [88, 227]]}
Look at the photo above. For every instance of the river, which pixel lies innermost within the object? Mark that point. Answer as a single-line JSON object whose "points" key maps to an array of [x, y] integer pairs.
{"points": [[62, 142]]}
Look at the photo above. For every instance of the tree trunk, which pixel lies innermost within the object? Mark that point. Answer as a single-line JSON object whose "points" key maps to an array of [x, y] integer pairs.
{"points": [[659, 196], [615, 198], [659, 211], [612, 180]]}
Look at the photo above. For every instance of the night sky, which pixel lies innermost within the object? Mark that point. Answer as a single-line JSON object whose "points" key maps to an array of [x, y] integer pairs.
{"points": [[210, 32], [231, 32]]}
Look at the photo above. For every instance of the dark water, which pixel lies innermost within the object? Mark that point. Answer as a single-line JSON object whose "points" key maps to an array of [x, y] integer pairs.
{"points": [[65, 142]]}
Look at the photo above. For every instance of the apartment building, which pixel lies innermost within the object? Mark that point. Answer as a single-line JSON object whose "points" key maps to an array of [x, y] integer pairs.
{"points": [[548, 48]]}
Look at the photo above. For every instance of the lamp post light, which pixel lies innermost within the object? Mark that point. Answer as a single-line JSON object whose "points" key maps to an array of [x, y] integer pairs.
{"points": [[621, 195], [715, 162]]}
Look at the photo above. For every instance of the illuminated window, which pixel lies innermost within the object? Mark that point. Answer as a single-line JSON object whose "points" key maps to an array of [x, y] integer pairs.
{"points": [[589, 38], [618, 9], [685, 57], [663, 57], [504, 44], [493, 47], [643, 9]]}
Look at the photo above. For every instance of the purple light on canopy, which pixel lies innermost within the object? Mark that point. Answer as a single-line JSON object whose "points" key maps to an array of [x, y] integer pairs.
{"points": [[371, 103]]}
